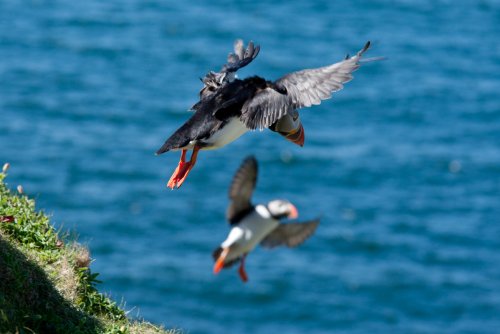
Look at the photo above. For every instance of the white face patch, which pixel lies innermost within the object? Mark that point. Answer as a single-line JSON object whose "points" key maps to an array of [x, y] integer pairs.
{"points": [[279, 207]]}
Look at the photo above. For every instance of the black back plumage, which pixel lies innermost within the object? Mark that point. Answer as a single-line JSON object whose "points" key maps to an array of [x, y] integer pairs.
{"points": [[213, 112]]}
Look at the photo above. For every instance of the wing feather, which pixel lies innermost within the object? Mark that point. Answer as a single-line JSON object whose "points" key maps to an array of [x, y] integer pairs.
{"points": [[241, 189], [240, 58], [303, 89], [290, 235], [264, 109]]}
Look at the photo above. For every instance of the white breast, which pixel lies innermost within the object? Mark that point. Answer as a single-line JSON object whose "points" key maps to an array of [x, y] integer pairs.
{"points": [[229, 133], [244, 236]]}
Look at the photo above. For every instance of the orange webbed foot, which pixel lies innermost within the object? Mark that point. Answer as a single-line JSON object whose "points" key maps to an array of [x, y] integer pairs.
{"points": [[241, 270], [183, 169], [179, 175], [219, 264]]}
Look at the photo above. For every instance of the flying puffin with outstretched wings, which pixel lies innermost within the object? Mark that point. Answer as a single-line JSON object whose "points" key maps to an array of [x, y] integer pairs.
{"points": [[229, 107], [252, 225]]}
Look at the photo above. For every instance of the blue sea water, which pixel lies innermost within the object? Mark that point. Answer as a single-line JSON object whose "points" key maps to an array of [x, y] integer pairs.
{"points": [[402, 166]]}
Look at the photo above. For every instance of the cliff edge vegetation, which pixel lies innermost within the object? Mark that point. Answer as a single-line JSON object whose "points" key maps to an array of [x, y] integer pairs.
{"points": [[46, 285]]}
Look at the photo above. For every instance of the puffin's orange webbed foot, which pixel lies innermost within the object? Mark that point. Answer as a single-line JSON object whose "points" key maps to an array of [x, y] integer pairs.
{"points": [[219, 264], [241, 270], [176, 176], [179, 175], [182, 170]]}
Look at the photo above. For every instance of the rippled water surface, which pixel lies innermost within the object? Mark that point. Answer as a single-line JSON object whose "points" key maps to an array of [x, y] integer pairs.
{"points": [[403, 165]]}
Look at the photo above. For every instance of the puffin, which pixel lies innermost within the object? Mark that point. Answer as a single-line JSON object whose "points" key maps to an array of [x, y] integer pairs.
{"points": [[228, 107], [252, 225]]}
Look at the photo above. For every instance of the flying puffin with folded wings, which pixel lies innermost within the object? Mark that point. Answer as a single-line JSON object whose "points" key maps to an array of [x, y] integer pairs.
{"points": [[229, 107], [252, 225]]}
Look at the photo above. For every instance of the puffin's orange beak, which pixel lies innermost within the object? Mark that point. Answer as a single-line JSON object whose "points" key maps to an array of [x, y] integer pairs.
{"points": [[294, 213], [296, 136], [219, 264]]}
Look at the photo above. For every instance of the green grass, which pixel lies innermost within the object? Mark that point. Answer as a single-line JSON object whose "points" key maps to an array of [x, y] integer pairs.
{"points": [[46, 285]]}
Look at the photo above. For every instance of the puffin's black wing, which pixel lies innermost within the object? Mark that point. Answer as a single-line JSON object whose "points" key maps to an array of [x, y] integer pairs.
{"points": [[303, 89], [290, 235], [240, 58], [241, 189]]}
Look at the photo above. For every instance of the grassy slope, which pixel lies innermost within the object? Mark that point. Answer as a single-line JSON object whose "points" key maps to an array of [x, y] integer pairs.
{"points": [[46, 285]]}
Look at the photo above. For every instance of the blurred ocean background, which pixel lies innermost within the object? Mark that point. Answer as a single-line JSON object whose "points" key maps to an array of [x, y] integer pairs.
{"points": [[403, 165]]}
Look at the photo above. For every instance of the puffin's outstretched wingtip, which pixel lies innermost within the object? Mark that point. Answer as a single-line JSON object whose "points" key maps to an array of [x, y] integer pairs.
{"points": [[368, 60], [366, 47]]}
